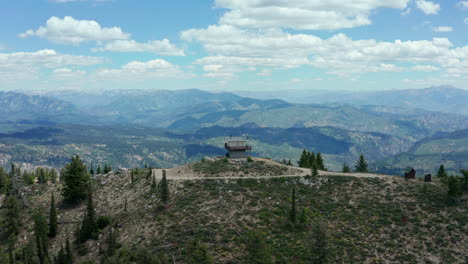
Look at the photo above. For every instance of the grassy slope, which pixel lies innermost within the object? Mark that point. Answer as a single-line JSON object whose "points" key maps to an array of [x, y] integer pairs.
{"points": [[369, 220]]}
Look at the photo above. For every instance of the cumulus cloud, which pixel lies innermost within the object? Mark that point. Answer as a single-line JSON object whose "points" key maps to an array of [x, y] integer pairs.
{"points": [[67, 73], [233, 50], [428, 7], [46, 58], [303, 14], [442, 29], [159, 47], [157, 68], [72, 31]]}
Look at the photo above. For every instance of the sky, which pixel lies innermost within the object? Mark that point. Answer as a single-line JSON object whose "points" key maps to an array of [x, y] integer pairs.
{"points": [[248, 45]]}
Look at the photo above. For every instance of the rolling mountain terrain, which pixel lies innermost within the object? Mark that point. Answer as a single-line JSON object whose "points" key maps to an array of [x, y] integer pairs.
{"points": [[167, 128], [425, 156], [437, 98]]}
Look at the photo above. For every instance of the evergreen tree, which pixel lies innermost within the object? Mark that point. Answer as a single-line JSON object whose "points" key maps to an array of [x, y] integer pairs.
{"points": [[107, 168], [314, 170], [361, 164], [303, 161], [61, 258], [319, 162], [164, 188], [91, 170], [68, 252], [4, 179], [89, 227], [345, 168], [53, 176], [465, 179], [112, 244], [98, 170], [30, 253], [441, 173], [41, 176], [319, 248], [312, 159], [289, 163], [454, 186], [292, 212], [132, 176], [11, 248], [149, 173], [40, 232], [52, 218], [197, 253], [153, 184], [75, 180], [146, 165], [257, 249], [13, 220]]}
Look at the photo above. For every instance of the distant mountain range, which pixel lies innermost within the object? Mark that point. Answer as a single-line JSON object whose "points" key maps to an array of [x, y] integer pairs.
{"points": [[450, 149], [437, 98], [194, 123]]}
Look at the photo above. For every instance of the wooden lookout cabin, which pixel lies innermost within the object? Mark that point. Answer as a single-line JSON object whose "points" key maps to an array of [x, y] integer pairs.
{"points": [[237, 148]]}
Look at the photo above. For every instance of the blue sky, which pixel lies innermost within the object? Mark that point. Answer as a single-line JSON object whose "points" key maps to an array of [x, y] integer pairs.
{"points": [[233, 44]]}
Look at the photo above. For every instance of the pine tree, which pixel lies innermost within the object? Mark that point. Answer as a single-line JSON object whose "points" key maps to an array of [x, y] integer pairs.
{"points": [[91, 170], [197, 253], [319, 162], [52, 218], [465, 179], [441, 173], [164, 188], [53, 176], [454, 186], [312, 159], [289, 163], [76, 179], [4, 179], [132, 176], [146, 165], [89, 227], [40, 232], [258, 251], [345, 168], [303, 161], [68, 252], [361, 164], [98, 170], [153, 184], [13, 220], [292, 213], [149, 174], [112, 244], [11, 248], [61, 259], [314, 170], [319, 248]]}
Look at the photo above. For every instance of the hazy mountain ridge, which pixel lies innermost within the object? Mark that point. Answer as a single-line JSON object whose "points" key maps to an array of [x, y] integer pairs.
{"points": [[436, 98]]}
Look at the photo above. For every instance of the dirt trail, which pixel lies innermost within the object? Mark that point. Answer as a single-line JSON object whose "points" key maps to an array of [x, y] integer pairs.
{"points": [[180, 173]]}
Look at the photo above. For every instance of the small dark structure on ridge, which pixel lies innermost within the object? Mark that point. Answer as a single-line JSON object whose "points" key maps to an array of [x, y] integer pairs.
{"points": [[237, 148], [411, 174], [427, 178]]}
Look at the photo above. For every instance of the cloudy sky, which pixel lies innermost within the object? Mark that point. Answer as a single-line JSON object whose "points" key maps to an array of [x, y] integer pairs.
{"points": [[233, 44]]}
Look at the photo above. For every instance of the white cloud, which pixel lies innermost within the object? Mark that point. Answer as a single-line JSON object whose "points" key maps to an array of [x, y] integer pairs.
{"points": [[66, 73], [466, 20], [264, 72], [157, 68], [303, 14], [424, 68], [72, 31], [236, 50], [463, 4], [3, 47], [428, 7], [46, 58], [159, 47], [21, 66], [442, 29]]}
